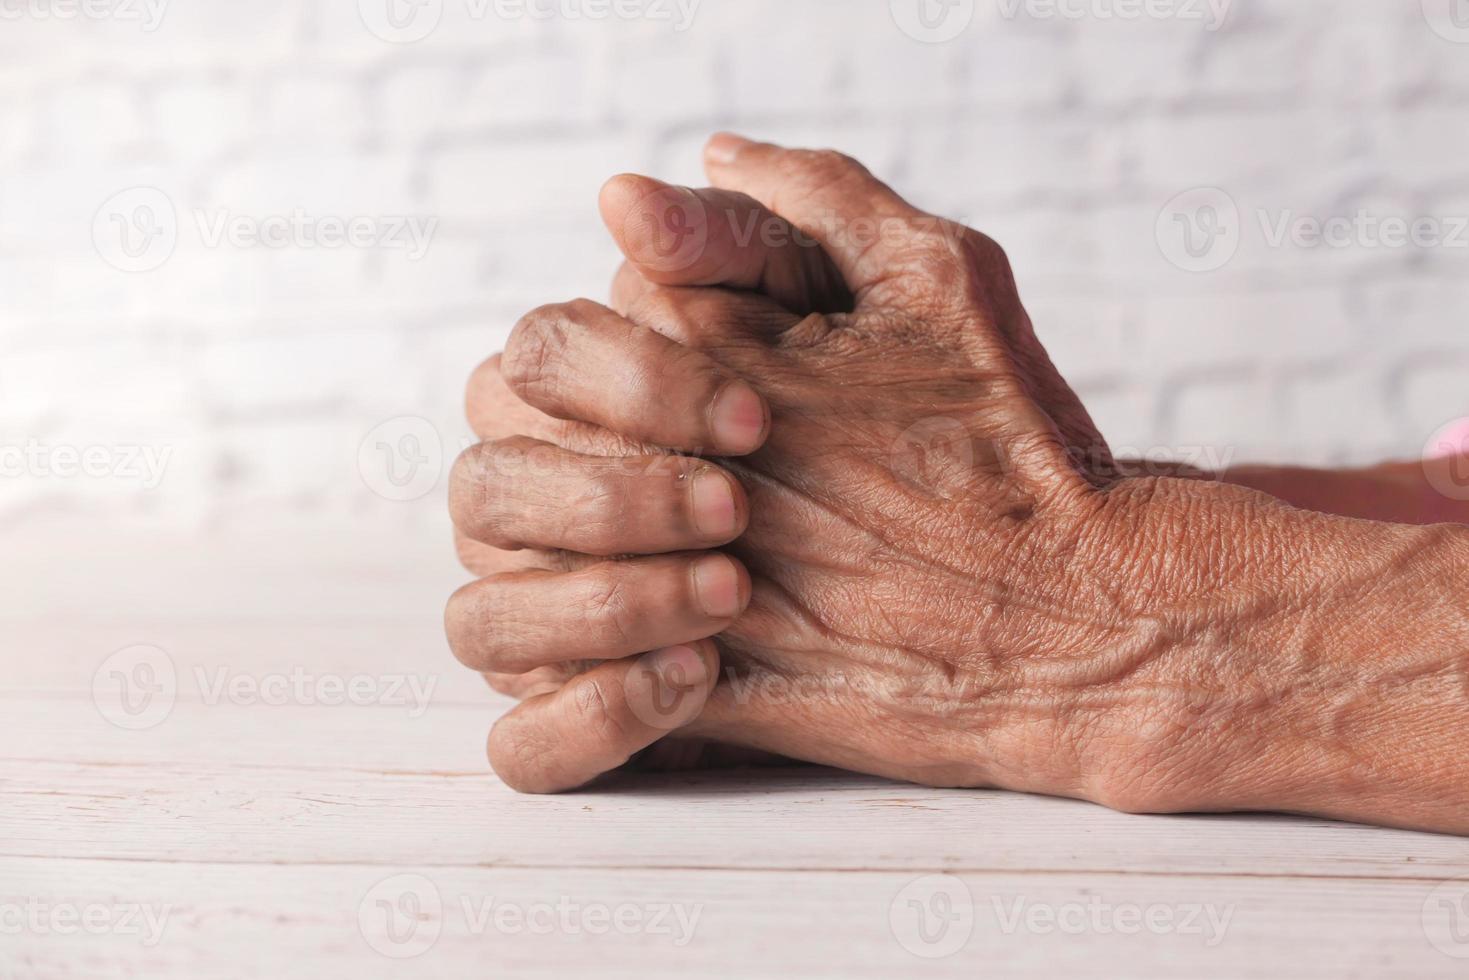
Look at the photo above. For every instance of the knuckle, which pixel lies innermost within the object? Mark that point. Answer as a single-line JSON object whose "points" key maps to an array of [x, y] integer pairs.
{"points": [[479, 503], [823, 164], [935, 247], [470, 469], [603, 510], [812, 172], [688, 373], [536, 348], [663, 377], [596, 710], [982, 251], [963, 269], [691, 363], [610, 608], [477, 635]]}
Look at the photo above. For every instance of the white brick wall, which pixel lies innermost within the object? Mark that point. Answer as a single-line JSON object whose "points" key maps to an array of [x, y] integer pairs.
{"points": [[264, 368]]}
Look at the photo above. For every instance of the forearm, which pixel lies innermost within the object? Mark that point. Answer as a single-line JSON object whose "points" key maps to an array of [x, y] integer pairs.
{"points": [[1434, 491], [1407, 493], [1335, 656]]}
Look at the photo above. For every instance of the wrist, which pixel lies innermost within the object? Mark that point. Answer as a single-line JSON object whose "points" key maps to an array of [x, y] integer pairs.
{"points": [[1372, 695], [1302, 662]]}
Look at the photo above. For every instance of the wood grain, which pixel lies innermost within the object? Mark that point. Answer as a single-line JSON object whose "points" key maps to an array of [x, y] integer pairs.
{"points": [[223, 920], [281, 839]]}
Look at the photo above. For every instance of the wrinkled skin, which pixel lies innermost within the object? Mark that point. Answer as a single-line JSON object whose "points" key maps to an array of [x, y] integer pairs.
{"points": [[919, 536], [944, 577]]}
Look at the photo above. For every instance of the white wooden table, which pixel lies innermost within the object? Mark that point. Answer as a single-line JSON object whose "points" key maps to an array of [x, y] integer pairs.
{"points": [[211, 834]]}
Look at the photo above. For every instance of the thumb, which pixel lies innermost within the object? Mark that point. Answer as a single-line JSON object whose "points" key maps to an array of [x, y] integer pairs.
{"points": [[677, 236]]}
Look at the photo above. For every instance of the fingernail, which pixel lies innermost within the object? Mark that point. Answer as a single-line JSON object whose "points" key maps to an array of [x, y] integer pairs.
{"points": [[714, 505], [725, 147], [717, 584], [680, 668], [738, 419]]}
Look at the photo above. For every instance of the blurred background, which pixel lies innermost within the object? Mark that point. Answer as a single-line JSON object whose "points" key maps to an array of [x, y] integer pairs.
{"points": [[249, 252]]}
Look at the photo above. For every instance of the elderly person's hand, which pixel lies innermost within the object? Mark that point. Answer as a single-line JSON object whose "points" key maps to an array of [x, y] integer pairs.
{"points": [[948, 579]]}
